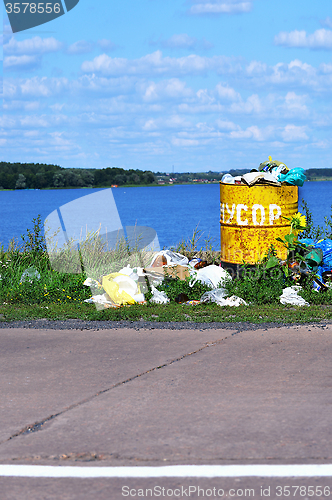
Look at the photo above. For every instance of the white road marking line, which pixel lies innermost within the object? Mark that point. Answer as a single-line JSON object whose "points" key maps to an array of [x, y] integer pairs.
{"points": [[265, 470]]}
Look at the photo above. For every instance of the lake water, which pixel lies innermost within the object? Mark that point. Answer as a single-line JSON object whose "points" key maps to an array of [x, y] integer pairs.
{"points": [[172, 211]]}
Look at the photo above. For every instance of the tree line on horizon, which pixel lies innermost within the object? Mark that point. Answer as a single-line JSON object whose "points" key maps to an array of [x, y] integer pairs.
{"points": [[44, 176], [48, 176]]}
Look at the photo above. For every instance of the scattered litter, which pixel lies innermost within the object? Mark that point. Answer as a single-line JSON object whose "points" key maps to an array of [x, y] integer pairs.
{"points": [[91, 282], [181, 272], [211, 275], [218, 296], [30, 274], [197, 263], [122, 289], [169, 258], [290, 296], [158, 297], [101, 299]]}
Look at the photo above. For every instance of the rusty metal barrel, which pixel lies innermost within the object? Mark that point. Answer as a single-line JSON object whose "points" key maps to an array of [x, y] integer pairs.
{"points": [[251, 218]]}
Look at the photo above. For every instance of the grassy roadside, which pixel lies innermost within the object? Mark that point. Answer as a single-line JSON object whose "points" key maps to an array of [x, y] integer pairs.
{"points": [[45, 293], [202, 313]]}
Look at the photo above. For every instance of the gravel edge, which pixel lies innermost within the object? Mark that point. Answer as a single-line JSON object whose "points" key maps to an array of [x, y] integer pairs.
{"points": [[76, 324]]}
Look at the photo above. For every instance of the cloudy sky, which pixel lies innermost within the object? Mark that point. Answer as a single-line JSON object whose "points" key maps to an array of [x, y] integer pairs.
{"points": [[151, 84]]}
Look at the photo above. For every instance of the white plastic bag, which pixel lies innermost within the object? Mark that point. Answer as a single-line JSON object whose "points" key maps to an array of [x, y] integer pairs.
{"points": [[290, 296], [172, 258], [30, 274], [211, 275], [158, 297], [218, 295]]}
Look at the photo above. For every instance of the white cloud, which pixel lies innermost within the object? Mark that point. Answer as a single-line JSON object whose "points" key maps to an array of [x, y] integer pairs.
{"points": [[167, 89], [185, 142], [256, 68], [180, 41], [80, 47], [21, 62], [226, 93], [295, 104], [183, 41], [320, 39], [34, 87], [35, 45], [220, 7], [155, 63], [254, 133], [293, 133], [252, 105], [327, 22], [226, 125]]}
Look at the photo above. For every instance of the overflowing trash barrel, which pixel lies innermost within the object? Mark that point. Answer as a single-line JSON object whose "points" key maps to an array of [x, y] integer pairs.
{"points": [[252, 217]]}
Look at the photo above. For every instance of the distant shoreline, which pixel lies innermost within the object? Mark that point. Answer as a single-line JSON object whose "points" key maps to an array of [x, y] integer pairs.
{"points": [[328, 179]]}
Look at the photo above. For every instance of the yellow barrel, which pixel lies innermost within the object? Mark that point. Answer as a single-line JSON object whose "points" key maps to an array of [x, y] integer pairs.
{"points": [[251, 218]]}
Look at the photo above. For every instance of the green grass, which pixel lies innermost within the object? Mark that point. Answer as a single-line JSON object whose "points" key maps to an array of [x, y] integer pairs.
{"points": [[56, 295], [202, 313]]}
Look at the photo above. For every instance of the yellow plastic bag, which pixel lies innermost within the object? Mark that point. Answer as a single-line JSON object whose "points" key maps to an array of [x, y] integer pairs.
{"points": [[120, 288]]}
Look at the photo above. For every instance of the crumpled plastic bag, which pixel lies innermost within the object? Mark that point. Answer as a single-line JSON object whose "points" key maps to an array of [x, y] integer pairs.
{"points": [[158, 297], [30, 274], [101, 300], [295, 177], [169, 258], [122, 289], [211, 275], [218, 296], [290, 296]]}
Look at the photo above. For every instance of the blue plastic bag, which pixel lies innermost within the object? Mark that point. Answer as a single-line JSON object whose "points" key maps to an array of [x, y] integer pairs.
{"points": [[326, 246], [296, 177]]}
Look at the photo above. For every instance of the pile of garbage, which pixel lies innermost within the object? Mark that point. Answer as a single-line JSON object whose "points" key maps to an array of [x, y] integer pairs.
{"points": [[125, 287], [270, 172], [129, 286], [317, 259]]}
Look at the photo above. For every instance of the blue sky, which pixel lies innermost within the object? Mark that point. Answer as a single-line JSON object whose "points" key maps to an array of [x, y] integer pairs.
{"points": [[198, 84]]}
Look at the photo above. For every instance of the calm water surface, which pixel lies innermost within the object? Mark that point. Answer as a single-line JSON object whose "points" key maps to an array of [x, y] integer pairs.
{"points": [[173, 211]]}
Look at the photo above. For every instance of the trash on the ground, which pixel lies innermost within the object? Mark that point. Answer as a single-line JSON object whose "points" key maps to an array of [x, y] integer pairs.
{"points": [[197, 263], [181, 298], [181, 272], [158, 297], [91, 282], [314, 258], [218, 296], [319, 251], [210, 275], [172, 259], [327, 278], [122, 289], [102, 300], [290, 296], [29, 275]]}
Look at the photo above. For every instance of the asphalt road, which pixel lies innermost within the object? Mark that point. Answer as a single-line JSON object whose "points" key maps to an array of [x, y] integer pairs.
{"points": [[139, 397]]}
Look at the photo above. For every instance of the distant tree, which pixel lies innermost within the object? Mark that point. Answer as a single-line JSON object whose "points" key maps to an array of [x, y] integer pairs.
{"points": [[20, 183], [148, 177], [58, 180], [120, 179]]}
